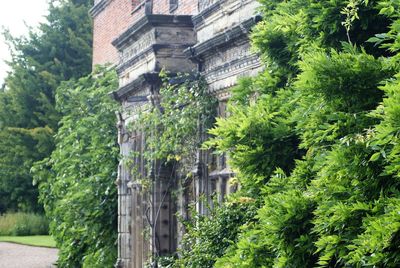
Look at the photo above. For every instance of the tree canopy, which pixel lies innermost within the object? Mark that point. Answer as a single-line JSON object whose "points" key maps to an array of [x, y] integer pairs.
{"points": [[318, 149], [60, 49]]}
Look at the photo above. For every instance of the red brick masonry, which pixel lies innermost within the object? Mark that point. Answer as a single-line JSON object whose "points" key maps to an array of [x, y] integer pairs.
{"points": [[118, 15]]}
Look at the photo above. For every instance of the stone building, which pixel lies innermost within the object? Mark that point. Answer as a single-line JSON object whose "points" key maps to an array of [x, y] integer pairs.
{"points": [[141, 37]]}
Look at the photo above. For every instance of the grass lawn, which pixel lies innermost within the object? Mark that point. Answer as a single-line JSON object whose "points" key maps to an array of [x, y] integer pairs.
{"points": [[37, 240]]}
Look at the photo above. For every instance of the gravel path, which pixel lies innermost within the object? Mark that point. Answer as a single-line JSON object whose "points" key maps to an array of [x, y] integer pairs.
{"points": [[19, 256]]}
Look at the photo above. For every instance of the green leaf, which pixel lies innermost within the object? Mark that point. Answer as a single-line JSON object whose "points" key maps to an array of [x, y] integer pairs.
{"points": [[375, 157]]}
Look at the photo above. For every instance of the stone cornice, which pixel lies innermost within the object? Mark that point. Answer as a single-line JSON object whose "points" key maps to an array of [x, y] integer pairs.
{"points": [[152, 78], [99, 7], [147, 22], [201, 18], [204, 14], [222, 39], [153, 48], [236, 62], [147, 78], [125, 65]]}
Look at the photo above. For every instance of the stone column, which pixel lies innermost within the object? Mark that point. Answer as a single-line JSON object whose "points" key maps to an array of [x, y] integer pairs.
{"points": [[124, 198]]}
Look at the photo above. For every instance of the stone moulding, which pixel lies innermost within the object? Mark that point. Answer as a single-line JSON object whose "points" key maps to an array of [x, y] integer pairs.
{"points": [[202, 17], [152, 48], [98, 7], [149, 78], [150, 21], [205, 13], [237, 62], [146, 4], [222, 39], [152, 43], [221, 80], [135, 85]]}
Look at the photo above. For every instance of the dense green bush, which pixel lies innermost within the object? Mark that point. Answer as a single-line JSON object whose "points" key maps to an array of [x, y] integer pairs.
{"points": [[77, 182], [319, 146], [259, 137], [208, 237], [22, 224]]}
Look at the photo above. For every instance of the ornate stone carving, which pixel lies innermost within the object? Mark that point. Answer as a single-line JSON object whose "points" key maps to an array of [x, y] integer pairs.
{"points": [[138, 47], [226, 56]]}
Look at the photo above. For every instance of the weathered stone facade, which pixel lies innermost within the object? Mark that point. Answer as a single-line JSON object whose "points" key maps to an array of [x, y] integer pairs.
{"points": [[206, 36]]}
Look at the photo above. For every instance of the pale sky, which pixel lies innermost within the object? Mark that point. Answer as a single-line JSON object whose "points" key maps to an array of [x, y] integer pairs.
{"points": [[15, 15]]}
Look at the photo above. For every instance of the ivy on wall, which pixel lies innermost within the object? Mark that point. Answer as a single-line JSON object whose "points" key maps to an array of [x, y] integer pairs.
{"points": [[173, 125], [176, 120]]}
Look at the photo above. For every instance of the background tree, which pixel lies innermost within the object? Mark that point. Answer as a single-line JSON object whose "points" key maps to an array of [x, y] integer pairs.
{"points": [[58, 50]]}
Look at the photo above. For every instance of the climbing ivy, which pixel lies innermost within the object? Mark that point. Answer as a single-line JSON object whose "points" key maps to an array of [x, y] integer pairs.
{"points": [[173, 124], [176, 120]]}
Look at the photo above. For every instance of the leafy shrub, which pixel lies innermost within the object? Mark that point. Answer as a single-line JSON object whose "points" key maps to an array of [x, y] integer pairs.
{"points": [[258, 138], [281, 236], [57, 50], [23, 224], [209, 236], [77, 182], [336, 205]]}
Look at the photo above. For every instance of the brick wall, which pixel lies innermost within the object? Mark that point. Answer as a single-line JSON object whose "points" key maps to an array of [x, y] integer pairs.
{"points": [[117, 17], [108, 24]]}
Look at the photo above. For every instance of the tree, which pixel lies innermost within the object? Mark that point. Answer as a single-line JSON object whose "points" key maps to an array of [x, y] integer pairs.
{"points": [[58, 50], [320, 146]]}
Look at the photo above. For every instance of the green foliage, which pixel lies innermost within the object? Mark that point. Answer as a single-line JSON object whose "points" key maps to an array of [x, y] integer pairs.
{"points": [[258, 138], [58, 50], [316, 137], [77, 182], [281, 235], [386, 138], [208, 237], [249, 88], [20, 224], [346, 81], [19, 148], [389, 40], [176, 119]]}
